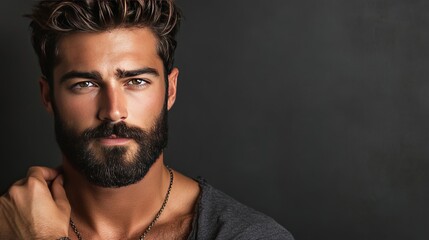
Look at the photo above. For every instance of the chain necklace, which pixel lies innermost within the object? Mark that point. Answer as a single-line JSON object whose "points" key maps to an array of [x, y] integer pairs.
{"points": [[142, 237]]}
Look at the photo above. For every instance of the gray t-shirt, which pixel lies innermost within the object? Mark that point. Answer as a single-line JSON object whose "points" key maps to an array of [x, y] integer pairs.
{"points": [[220, 217]]}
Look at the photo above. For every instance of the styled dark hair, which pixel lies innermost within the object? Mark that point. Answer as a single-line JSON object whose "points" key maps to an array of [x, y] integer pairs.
{"points": [[53, 19]]}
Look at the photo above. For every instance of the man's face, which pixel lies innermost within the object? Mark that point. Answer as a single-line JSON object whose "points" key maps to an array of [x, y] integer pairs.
{"points": [[110, 105]]}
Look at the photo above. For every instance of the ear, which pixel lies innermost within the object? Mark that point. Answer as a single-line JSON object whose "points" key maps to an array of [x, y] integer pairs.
{"points": [[172, 87], [45, 94]]}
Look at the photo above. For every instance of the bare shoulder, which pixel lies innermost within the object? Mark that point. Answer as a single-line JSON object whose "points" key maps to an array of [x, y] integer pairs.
{"points": [[184, 195], [178, 229], [180, 210], [187, 188]]}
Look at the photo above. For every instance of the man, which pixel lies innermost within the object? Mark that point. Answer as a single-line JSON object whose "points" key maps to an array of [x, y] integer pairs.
{"points": [[109, 81]]}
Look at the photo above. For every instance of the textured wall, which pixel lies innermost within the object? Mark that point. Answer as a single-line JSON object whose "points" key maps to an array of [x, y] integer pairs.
{"points": [[315, 112]]}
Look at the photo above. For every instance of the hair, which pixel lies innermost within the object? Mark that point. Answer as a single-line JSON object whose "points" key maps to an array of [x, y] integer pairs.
{"points": [[52, 20]]}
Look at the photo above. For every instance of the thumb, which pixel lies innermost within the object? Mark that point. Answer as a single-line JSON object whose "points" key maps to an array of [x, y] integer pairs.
{"points": [[59, 195]]}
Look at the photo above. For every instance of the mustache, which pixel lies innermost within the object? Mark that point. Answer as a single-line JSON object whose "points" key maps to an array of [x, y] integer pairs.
{"points": [[120, 130]]}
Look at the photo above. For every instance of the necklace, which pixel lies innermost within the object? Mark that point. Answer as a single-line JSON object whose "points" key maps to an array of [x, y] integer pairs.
{"points": [[158, 214]]}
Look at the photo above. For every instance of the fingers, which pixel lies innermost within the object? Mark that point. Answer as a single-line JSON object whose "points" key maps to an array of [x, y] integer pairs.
{"points": [[34, 209], [20, 182], [59, 194], [42, 173]]}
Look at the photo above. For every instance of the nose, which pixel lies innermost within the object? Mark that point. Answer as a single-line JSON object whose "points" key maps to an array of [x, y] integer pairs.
{"points": [[112, 105]]}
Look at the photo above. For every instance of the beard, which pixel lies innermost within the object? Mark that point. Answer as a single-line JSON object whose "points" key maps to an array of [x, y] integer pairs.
{"points": [[113, 166]]}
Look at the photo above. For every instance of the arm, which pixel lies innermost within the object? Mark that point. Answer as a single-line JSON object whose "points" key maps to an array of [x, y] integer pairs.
{"points": [[32, 209]]}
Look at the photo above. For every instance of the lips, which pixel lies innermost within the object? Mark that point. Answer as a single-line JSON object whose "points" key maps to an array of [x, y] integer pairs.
{"points": [[114, 140]]}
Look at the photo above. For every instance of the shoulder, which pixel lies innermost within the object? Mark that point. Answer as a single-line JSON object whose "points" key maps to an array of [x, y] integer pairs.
{"points": [[219, 216]]}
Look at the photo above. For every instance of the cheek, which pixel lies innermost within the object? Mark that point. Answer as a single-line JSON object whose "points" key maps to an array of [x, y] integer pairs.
{"points": [[146, 106], [75, 112]]}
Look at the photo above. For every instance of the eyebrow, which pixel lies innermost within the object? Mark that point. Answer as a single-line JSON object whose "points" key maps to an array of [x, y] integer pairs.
{"points": [[76, 74], [120, 73]]}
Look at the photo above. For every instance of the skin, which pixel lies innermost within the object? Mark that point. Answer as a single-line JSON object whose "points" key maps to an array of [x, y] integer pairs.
{"points": [[84, 101]]}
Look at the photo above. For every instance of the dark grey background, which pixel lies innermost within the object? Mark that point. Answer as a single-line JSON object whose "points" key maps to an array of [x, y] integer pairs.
{"points": [[314, 112]]}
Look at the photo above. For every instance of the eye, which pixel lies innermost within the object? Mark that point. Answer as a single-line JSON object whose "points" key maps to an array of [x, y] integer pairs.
{"points": [[137, 82], [81, 85]]}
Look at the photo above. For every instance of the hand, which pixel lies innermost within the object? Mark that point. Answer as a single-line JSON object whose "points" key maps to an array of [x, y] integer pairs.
{"points": [[35, 209]]}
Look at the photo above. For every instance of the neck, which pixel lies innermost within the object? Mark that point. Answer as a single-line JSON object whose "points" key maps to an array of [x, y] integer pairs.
{"points": [[121, 212]]}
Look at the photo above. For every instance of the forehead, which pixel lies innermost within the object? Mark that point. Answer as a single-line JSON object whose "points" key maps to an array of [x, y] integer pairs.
{"points": [[121, 48]]}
